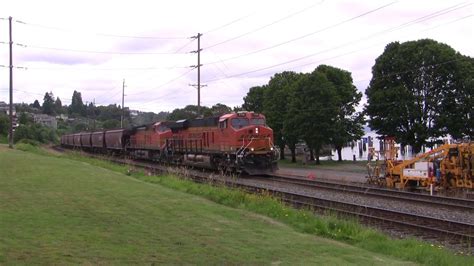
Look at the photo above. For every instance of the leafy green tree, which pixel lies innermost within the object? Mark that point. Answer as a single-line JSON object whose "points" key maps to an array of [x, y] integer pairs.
{"points": [[111, 124], [313, 110], [238, 109], [111, 111], [24, 107], [35, 132], [413, 90], [348, 125], [188, 112], [4, 124], [81, 126], [220, 109], [456, 112], [275, 107], [253, 101], [48, 103], [149, 117], [25, 119]]}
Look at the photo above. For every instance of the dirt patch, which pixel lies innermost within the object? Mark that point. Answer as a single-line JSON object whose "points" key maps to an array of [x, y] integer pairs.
{"points": [[3, 147], [50, 149], [340, 175]]}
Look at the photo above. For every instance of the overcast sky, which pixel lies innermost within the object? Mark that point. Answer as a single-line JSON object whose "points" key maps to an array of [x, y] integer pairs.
{"points": [[91, 46]]}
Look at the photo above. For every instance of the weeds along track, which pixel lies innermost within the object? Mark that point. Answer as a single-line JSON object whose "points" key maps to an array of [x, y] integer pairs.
{"points": [[457, 235], [452, 233]]}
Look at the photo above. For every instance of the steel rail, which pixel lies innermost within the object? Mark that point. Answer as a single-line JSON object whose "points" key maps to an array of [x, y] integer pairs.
{"points": [[438, 201]]}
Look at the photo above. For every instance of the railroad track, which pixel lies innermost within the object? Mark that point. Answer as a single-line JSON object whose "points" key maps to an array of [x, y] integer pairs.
{"points": [[438, 201], [429, 228]]}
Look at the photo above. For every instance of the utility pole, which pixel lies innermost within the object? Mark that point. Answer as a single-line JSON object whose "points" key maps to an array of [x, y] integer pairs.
{"points": [[198, 37], [10, 140], [123, 109]]}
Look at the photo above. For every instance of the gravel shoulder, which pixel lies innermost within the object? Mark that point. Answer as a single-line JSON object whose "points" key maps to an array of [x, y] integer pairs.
{"points": [[331, 174]]}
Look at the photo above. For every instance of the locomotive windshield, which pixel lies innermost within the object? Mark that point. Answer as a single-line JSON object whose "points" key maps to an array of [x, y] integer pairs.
{"points": [[257, 121], [239, 122], [162, 128]]}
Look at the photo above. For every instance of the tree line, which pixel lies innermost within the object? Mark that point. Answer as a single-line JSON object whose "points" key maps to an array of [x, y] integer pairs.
{"points": [[420, 91]]}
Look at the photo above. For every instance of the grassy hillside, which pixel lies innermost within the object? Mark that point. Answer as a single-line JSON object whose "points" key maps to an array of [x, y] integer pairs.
{"points": [[55, 210]]}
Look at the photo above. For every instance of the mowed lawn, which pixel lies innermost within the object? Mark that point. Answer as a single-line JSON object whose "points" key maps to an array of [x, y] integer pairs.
{"points": [[56, 210]]}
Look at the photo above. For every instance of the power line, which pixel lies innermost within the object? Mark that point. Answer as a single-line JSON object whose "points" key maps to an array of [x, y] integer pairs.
{"points": [[104, 69], [306, 35], [97, 52], [418, 20], [102, 34], [266, 26], [166, 83], [227, 24], [188, 43], [382, 32]]}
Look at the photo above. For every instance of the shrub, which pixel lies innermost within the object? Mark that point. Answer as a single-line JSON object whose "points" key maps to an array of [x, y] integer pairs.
{"points": [[35, 132]]}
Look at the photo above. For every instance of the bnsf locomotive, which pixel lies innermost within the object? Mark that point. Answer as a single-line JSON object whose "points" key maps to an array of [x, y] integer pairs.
{"points": [[236, 142]]}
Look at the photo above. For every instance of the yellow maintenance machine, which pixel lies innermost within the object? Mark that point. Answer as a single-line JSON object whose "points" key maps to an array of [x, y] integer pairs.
{"points": [[447, 166]]}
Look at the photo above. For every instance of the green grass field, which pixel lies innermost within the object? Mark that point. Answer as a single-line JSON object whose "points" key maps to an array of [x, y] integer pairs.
{"points": [[57, 210]]}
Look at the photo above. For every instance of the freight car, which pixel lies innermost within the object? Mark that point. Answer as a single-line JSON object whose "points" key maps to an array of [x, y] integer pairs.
{"points": [[236, 142]]}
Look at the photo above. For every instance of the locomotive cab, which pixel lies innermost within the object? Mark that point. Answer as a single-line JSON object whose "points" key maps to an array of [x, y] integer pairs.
{"points": [[149, 141], [251, 141]]}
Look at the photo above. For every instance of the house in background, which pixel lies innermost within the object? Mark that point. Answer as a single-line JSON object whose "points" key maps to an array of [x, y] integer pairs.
{"points": [[46, 120], [5, 109]]}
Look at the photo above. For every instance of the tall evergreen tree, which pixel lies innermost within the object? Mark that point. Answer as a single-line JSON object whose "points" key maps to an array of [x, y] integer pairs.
{"points": [[58, 106], [77, 106], [48, 104], [36, 105]]}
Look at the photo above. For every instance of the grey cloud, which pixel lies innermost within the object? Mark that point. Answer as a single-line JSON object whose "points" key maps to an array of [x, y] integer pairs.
{"points": [[61, 58]]}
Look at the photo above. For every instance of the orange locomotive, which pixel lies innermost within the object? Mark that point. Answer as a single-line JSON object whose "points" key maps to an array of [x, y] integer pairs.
{"points": [[236, 142]]}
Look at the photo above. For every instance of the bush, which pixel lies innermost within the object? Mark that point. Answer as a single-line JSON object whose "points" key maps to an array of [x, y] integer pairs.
{"points": [[4, 124], [29, 142], [35, 132]]}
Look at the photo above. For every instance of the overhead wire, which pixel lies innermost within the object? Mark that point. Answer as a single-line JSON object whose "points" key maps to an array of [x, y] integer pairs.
{"points": [[305, 35], [265, 26], [102, 34], [418, 20], [227, 24], [97, 52], [166, 83]]}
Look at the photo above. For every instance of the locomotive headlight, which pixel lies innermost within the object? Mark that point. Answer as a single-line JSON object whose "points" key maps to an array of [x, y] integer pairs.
{"points": [[252, 149], [256, 130], [271, 148]]}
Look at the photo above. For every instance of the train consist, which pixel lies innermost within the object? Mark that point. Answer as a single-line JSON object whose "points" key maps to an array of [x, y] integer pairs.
{"points": [[235, 142]]}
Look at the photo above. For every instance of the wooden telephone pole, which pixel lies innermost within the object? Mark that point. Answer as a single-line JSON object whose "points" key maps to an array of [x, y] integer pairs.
{"points": [[198, 66], [10, 136]]}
